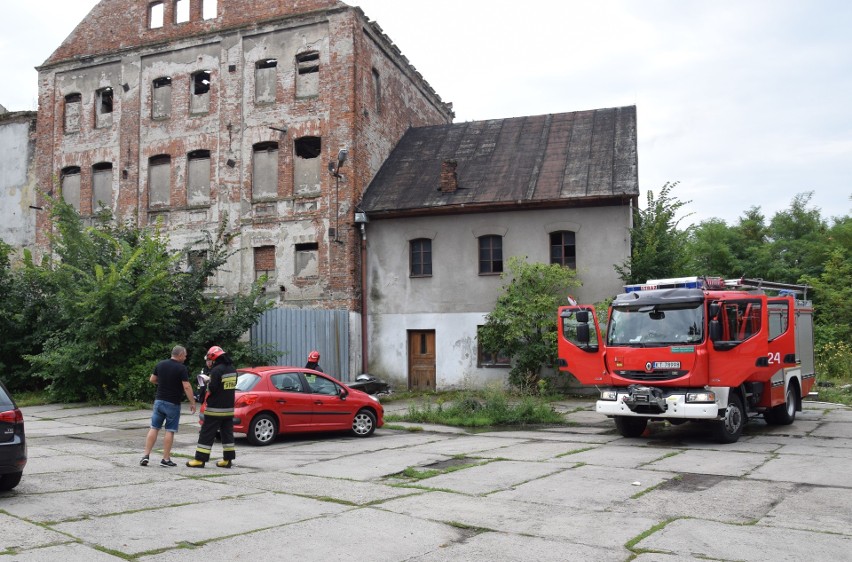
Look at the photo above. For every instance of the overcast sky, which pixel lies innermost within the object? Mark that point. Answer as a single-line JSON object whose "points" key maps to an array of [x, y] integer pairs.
{"points": [[744, 102]]}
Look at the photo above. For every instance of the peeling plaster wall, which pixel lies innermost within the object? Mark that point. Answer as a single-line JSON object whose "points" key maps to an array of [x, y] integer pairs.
{"points": [[17, 179]]}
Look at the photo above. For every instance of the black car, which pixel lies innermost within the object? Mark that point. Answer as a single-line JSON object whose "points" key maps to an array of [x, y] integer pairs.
{"points": [[13, 444]]}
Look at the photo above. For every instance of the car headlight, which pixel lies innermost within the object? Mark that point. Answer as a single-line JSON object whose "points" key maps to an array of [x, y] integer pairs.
{"points": [[703, 396], [373, 397], [609, 394]]}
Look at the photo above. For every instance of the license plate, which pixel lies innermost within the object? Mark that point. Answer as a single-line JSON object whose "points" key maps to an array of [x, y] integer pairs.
{"points": [[666, 365]]}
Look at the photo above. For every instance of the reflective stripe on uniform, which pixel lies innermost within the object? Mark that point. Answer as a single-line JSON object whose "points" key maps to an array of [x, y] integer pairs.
{"points": [[219, 412]]}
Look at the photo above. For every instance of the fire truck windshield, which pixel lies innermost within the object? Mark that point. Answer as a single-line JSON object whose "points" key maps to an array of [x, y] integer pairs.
{"points": [[656, 326]]}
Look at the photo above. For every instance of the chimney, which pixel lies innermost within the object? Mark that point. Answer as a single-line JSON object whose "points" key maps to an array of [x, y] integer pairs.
{"points": [[449, 178]]}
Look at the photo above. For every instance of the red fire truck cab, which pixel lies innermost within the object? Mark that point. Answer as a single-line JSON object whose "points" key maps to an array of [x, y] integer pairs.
{"points": [[694, 348]]}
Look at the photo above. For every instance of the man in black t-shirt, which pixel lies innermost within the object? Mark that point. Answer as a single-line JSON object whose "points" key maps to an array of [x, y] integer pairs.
{"points": [[172, 379]]}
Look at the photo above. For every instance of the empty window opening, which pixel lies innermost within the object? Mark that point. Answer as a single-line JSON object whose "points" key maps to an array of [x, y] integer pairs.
{"points": [[200, 101], [198, 177], [208, 9], [155, 15], [161, 98], [307, 70], [307, 260], [490, 254], [195, 260], [421, 257], [159, 181], [563, 249], [70, 184], [264, 262], [377, 87], [103, 107], [102, 186], [307, 166], [265, 80], [264, 184], [308, 147], [181, 11], [307, 63], [73, 108]]}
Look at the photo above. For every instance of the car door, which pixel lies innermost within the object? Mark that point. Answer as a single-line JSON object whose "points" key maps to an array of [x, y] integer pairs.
{"points": [[291, 401], [330, 410]]}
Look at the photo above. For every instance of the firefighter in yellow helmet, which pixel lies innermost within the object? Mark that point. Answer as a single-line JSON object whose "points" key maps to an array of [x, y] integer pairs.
{"points": [[219, 414]]}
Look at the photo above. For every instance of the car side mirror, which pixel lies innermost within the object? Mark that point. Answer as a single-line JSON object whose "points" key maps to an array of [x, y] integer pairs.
{"points": [[343, 393]]}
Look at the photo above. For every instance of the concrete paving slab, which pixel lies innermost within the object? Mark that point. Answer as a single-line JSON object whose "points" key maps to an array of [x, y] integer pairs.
{"points": [[838, 415], [376, 535], [535, 451], [744, 445], [516, 548], [369, 466], [490, 477], [36, 428], [691, 537], [556, 434], [68, 481], [468, 444], [69, 552], [603, 529], [810, 449], [586, 417], [22, 535], [59, 412], [799, 428], [660, 557], [618, 455], [718, 498], [142, 531], [41, 465], [832, 430], [828, 510], [723, 463], [820, 471]]}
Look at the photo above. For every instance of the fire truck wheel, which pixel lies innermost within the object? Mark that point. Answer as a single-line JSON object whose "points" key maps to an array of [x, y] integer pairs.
{"points": [[631, 427], [784, 414], [729, 429]]}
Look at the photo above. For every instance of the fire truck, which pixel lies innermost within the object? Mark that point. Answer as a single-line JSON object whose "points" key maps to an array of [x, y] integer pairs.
{"points": [[694, 349]]}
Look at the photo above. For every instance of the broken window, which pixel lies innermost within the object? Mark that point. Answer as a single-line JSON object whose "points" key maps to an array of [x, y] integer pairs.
{"points": [[264, 178], [563, 249], [155, 15], [307, 260], [181, 11], [307, 74], [195, 260], [265, 81], [73, 108], [264, 262], [208, 9], [70, 184], [490, 254], [161, 98], [200, 99], [101, 186], [198, 177], [377, 87], [307, 165], [103, 108], [159, 181]]}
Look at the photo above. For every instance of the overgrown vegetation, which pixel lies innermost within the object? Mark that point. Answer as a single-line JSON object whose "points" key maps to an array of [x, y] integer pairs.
{"points": [[90, 321]]}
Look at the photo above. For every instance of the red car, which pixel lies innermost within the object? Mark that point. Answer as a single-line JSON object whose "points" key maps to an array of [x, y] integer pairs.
{"points": [[275, 400]]}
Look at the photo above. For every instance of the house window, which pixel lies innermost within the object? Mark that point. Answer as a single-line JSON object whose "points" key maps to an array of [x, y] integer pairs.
{"points": [[159, 181], [490, 358], [200, 99], [562, 249], [208, 9], [155, 15], [73, 108], [102, 186], [264, 262], [264, 176], [265, 80], [181, 11], [195, 260], [161, 98], [307, 165], [103, 108], [70, 183], [307, 74], [490, 254], [198, 177], [307, 260], [377, 87], [421, 257]]}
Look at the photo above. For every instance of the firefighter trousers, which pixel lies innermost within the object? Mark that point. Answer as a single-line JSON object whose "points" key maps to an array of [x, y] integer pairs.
{"points": [[212, 425]]}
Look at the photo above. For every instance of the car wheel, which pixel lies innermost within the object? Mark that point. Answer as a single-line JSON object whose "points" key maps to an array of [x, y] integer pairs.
{"points": [[9, 481], [784, 414], [729, 429], [630, 427], [263, 430], [364, 423]]}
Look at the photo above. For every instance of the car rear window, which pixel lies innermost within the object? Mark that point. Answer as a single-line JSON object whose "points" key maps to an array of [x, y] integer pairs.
{"points": [[246, 381], [5, 400]]}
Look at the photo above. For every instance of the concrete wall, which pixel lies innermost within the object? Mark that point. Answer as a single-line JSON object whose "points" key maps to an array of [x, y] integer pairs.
{"points": [[456, 298], [17, 179]]}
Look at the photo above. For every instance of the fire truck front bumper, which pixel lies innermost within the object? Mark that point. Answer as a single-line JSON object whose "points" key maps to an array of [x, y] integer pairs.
{"points": [[653, 402]]}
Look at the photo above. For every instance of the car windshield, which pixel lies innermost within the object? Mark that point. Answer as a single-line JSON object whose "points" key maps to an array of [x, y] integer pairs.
{"points": [[656, 326], [246, 382]]}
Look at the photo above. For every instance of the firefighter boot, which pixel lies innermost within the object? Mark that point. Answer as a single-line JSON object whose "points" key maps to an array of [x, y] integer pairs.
{"points": [[195, 464], [223, 463]]}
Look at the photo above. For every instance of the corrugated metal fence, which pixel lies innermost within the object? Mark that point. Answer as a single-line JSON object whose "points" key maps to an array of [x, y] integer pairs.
{"points": [[294, 332]]}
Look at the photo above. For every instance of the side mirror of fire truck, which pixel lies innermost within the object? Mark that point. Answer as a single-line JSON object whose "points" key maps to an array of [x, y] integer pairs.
{"points": [[583, 317], [583, 334], [715, 330]]}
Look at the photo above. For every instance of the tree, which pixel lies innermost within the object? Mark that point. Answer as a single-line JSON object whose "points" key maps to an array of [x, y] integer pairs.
{"points": [[657, 247], [523, 322], [832, 292], [797, 241]]}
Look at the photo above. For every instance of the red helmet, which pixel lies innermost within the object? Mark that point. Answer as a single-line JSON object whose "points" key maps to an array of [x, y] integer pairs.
{"points": [[214, 353], [313, 356]]}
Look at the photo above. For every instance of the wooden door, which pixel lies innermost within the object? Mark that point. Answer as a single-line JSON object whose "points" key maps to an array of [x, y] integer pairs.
{"points": [[421, 360]]}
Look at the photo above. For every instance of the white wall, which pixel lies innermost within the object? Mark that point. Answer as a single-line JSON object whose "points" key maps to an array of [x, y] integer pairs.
{"points": [[17, 184]]}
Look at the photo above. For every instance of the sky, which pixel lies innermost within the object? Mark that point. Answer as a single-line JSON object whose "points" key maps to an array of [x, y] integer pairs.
{"points": [[745, 103]]}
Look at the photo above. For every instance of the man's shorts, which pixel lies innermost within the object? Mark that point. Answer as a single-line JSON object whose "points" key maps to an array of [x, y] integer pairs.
{"points": [[165, 412]]}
